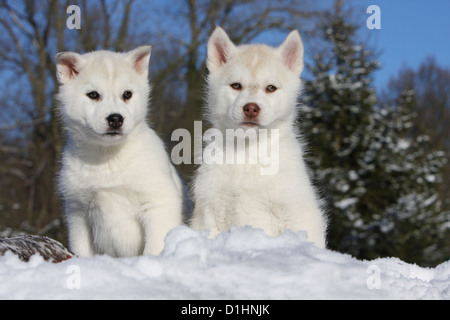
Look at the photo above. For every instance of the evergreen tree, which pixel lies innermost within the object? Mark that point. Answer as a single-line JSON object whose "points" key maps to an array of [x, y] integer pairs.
{"points": [[377, 181], [402, 174]]}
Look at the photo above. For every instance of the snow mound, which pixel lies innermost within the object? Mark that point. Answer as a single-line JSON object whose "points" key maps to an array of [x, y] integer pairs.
{"points": [[241, 264]]}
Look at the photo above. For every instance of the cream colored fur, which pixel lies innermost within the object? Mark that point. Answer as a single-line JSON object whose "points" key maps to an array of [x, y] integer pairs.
{"points": [[239, 194], [121, 193]]}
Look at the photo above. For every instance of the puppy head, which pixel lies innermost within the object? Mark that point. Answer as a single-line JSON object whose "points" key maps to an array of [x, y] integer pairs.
{"points": [[253, 85], [103, 94]]}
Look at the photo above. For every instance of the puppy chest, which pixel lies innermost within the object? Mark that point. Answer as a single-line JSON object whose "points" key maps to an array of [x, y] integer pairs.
{"points": [[99, 185]]}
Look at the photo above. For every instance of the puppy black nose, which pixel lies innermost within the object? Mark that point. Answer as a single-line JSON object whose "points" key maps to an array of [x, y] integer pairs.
{"points": [[115, 121]]}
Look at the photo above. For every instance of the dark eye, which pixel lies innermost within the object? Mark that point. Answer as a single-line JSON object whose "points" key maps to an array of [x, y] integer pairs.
{"points": [[127, 95], [93, 95], [271, 88], [236, 86]]}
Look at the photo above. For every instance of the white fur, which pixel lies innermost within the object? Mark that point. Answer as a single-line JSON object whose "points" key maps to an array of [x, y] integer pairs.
{"points": [[238, 194], [121, 193]]}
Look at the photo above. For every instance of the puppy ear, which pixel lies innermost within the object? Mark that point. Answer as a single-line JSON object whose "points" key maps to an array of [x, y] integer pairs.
{"points": [[68, 66], [220, 48], [140, 58], [291, 51]]}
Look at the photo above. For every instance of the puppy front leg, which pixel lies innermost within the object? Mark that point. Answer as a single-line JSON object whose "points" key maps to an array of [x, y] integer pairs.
{"points": [[212, 218], [158, 221], [309, 219], [80, 235]]}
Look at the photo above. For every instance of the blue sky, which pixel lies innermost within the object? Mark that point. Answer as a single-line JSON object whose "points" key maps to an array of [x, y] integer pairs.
{"points": [[410, 31]]}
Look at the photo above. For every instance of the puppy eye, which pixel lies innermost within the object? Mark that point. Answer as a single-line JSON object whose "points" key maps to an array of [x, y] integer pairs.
{"points": [[93, 95], [236, 86], [127, 95], [271, 88]]}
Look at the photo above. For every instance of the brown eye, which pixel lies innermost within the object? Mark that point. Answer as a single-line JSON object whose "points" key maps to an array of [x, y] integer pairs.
{"points": [[236, 86], [93, 95], [127, 95], [271, 88]]}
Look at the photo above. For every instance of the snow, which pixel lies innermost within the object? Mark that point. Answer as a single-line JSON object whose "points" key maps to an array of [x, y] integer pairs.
{"points": [[403, 144], [345, 203], [240, 264]]}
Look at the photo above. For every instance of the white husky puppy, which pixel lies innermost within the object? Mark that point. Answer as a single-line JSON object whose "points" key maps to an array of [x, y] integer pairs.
{"points": [[255, 87], [121, 193]]}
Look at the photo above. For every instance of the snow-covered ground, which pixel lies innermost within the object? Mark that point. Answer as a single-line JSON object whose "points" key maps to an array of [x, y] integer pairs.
{"points": [[240, 264]]}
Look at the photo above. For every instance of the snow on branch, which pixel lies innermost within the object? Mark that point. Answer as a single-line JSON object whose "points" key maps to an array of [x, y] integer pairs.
{"points": [[29, 245]]}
